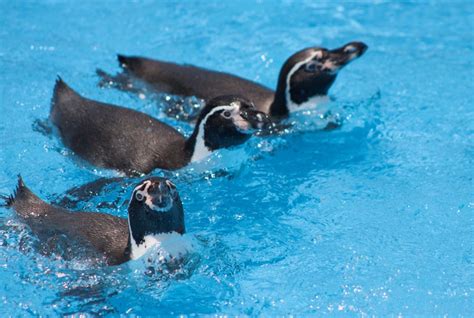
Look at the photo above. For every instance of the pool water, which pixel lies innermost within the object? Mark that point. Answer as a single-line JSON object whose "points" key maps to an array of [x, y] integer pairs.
{"points": [[376, 217]]}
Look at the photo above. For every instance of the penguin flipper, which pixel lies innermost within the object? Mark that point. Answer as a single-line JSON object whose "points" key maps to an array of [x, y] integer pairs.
{"points": [[79, 195], [121, 81]]}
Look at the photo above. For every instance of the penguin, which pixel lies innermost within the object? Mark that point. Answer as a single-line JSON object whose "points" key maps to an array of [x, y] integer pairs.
{"points": [[132, 142], [304, 80], [155, 220]]}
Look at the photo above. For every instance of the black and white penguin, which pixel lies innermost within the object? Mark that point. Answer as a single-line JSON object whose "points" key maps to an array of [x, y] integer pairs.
{"points": [[130, 141], [155, 216], [304, 80]]}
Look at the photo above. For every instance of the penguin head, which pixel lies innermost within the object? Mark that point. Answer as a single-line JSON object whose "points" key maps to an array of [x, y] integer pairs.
{"points": [[224, 122], [155, 208], [311, 72]]}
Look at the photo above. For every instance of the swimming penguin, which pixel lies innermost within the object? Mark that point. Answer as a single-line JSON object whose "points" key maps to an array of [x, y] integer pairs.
{"points": [[130, 141], [155, 216], [304, 78]]}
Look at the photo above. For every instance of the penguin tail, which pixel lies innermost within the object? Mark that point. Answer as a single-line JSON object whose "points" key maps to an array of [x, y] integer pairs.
{"points": [[60, 87], [5, 200], [59, 80], [25, 203], [9, 200], [63, 95], [130, 63], [124, 61]]}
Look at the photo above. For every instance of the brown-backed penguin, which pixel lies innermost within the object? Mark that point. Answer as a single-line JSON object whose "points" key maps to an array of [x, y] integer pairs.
{"points": [[130, 141], [304, 80], [155, 219]]}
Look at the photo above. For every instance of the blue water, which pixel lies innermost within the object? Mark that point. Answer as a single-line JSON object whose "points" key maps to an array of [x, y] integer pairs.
{"points": [[374, 218]]}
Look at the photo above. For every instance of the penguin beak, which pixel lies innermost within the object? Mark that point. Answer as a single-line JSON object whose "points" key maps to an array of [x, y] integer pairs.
{"points": [[256, 120], [340, 57]]}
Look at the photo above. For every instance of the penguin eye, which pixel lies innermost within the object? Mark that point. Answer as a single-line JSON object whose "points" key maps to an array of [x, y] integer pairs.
{"points": [[227, 114], [250, 106], [139, 196], [311, 67]]}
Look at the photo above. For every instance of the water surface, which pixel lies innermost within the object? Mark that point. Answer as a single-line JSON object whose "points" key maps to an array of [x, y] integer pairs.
{"points": [[374, 218]]}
